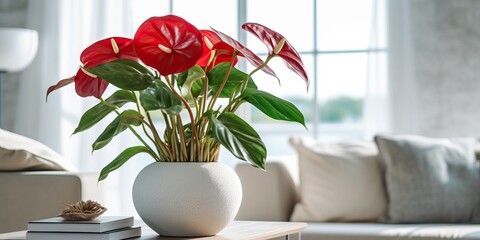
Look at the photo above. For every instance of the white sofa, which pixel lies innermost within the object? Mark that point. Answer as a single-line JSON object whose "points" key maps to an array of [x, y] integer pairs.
{"points": [[36, 183], [272, 195], [32, 195]]}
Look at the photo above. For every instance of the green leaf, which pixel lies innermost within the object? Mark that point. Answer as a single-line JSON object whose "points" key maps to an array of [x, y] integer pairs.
{"points": [[239, 138], [160, 96], [124, 73], [99, 111], [217, 74], [190, 82], [120, 160], [187, 130], [273, 106], [118, 125], [192, 74]]}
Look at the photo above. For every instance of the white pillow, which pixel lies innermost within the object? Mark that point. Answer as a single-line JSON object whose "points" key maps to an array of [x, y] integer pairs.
{"points": [[339, 181], [18, 153]]}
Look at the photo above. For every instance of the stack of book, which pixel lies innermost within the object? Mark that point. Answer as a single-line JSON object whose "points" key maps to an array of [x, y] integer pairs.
{"points": [[101, 228]]}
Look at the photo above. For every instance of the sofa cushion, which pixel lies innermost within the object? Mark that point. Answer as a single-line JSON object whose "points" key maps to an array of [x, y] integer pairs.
{"points": [[338, 181], [430, 179], [21, 153], [382, 231]]}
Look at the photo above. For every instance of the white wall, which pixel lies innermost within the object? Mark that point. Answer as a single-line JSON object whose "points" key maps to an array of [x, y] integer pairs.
{"points": [[437, 81]]}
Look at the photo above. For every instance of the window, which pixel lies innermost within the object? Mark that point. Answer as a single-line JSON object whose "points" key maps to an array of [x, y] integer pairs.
{"points": [[342, 44]]}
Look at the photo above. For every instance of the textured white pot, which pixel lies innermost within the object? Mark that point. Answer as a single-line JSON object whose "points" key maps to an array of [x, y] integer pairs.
{"points": [[187, 199]]}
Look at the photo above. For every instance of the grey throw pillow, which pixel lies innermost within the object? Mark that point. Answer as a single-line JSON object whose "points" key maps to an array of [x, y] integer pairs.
{"points": [[430, 179]]}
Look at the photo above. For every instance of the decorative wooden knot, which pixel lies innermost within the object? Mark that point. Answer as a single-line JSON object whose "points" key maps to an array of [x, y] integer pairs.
{"points": [[82, 211]]}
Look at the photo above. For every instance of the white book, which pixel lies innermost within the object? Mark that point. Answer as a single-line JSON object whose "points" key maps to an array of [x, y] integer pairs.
{"points": [[122, 233], [98, 225]]}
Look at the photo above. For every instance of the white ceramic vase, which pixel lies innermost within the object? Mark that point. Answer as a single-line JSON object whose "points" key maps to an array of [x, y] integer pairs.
{"points": [[187, 199]]}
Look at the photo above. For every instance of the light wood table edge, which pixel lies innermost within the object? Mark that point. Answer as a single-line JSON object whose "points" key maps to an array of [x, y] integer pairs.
{"points": [[290, 228], [293, 228]]}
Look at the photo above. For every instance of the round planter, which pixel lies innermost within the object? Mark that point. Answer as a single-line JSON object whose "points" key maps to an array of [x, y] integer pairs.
{"points": [[187, 199]]}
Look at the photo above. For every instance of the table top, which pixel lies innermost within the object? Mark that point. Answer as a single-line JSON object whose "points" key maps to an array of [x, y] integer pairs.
{"points": [[237, 230]]}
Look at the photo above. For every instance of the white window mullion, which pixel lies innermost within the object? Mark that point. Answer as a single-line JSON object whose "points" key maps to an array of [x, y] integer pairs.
{"points": [[316, 114], [244, 111]]}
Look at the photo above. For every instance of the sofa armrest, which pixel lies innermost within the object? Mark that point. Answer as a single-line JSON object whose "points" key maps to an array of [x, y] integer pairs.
{"points": [[268, 195], [32, 195]]}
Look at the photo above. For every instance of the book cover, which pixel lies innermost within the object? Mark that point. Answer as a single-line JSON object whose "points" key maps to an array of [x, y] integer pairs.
{"points": [[98, 225], [117, 234]]}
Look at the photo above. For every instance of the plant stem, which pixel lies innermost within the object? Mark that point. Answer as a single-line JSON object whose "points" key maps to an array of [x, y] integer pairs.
{"points": [[264, 64], [151, 126], [181, 134], [167, 123], [224, 81], [234, 103], [205, 94], [190, 114], [166, 136], [216, 150], [157, 158], [172, 141], [154, 155], [202, 134], [161, 144], [201, 125]]}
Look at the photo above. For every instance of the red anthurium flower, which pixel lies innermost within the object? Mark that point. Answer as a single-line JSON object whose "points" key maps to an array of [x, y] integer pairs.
{"points": [[89, 85], [209, 39], [245, 52], [107, 50], [212, 44], [223, 53], [169, 44], [279, 46], [103, 51]]}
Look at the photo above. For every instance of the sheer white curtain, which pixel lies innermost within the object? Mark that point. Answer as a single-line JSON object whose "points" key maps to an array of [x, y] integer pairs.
{"points": [[401, 65], [66, 27], [377, 103], [34, 118]]}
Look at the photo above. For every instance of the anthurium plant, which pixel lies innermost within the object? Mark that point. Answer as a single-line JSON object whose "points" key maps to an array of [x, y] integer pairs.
{"points": [[170, 66]]}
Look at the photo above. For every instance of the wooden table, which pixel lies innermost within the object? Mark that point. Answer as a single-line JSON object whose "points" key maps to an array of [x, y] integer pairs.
{"points": [[238, 230]]}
